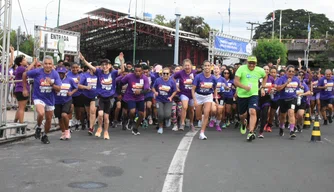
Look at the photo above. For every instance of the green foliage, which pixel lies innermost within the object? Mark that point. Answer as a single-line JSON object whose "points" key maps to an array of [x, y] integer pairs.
{"points": [[269, 51], [26, 43], [294, 25], [190, 24], [323, 59]]}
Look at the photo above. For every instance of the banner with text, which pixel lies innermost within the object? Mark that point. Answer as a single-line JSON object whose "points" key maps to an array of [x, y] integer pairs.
{"points": [[71, 42], [232, 46]]}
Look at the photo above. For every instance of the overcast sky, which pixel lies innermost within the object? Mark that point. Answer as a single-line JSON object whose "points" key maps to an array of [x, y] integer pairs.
{"points": [[241, 11]]}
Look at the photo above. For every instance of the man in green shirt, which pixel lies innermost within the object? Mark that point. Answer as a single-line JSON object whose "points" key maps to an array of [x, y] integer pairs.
{"points": [[247, 82]]}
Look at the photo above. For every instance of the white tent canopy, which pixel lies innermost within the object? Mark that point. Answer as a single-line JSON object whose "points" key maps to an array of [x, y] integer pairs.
{"points": [[29, 58]]}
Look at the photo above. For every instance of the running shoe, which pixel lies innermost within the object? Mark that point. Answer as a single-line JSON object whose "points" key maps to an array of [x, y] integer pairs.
{"points": [[168, 122], [325, 122], [45, 139], [145, 124], [62, 137], [113, 124], [67, 134], [265, 128], [199, 124], [187, 122], [38, 133], [181, 128], [299, 129], [129, 125], [192, 127], [243, 126], [330, 119], [250, 137], [150, 121], [292, 134], [90, 131], [202, 136], [98, 132], [135, 131], [155, 121], [313, 117], [269, 129], [212, 123], [237, 124], [160, 130], [175, 128], [260, 136], [77, 127], [218, 128], [124, 124], [281, 132], [106, 135], [228, 123], [224, 126]]}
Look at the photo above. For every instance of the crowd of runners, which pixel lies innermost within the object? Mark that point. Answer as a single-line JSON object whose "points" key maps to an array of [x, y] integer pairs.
{"points": [[133, 97]]}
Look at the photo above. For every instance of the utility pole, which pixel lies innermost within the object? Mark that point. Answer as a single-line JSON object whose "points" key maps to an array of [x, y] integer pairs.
{"points": [[58, 13], [18, 39], [177, 31], [252, 28]]}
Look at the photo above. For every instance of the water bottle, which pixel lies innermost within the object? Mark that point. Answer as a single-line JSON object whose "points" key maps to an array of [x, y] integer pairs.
{"points": [[299, 100], [222, 89]]}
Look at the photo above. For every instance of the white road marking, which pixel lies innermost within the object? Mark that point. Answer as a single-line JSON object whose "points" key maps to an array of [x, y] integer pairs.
{"points": [[329, 141], [174, 177]]}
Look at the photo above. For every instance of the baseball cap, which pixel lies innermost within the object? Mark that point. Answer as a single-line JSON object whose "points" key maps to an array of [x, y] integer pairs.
{"points": [[61, 70], [252, 59]]}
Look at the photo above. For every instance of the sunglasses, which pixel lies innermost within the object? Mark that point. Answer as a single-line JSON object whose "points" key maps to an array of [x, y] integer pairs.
{"points": [[165, 73]]}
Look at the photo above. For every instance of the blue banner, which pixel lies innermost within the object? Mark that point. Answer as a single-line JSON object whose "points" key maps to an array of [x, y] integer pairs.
{"points": [[233, 46]]}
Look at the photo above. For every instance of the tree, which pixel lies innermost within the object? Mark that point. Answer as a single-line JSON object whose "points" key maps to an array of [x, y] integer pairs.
{"points": [[160, 20], [195, 25], [295, 25], [26, 42], [269, 51], [323, 59]]}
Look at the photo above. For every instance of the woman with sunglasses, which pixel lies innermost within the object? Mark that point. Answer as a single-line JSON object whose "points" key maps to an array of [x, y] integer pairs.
{"points": [[106, 88], [228, 95], [264, 101], [204, 92], [186, 77], [287, 85], [303, 91], [164, 89], [217, 109], [315, 99]]}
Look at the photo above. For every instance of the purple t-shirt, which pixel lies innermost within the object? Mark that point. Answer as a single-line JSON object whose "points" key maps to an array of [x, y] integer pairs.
{"points": [[67, 85], [151, 80], [185, 82], [315, 81], [42, 90], [204, 85], [164, 88], [134, 83], [229, 93], [87, 79], [106, 85], [221, 82], [123, 87], [18, 76], [76, 79], [328, 92], [270, 82], [290, 90]]}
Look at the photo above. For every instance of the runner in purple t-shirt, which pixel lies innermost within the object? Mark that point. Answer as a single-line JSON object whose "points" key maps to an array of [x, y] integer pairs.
{"points": [[22, 64], [186, 77], [46, 83], [106, 87], [138, 86]]}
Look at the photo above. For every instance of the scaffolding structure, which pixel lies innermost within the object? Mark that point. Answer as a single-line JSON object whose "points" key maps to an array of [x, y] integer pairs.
{"points": [[5, 21]]}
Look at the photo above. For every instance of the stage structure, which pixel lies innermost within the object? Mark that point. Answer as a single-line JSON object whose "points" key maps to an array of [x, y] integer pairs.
{"points": [[223, 45]]}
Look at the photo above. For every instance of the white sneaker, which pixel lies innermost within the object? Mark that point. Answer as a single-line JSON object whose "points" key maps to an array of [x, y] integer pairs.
{"points": [[160, 130], [181, 128], [168, 122], [199, 124], [202, 136], [175, 128]]}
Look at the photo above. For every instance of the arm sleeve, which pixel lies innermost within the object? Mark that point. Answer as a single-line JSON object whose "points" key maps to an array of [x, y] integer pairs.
{"points": [[73, 84], [306, 88], [57, 79], [33, 73], [195, 82], [321, 82], [279, 81], [239, 72], [124, 80], [146, 84]]}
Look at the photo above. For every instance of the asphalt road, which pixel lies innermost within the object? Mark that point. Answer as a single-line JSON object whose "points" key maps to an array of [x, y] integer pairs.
{"points": [[225, 162]]}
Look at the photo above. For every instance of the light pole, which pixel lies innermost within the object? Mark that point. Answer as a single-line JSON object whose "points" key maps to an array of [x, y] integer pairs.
{"points": [[46, 12], [222, 30], [177, 31], [58, 13]]}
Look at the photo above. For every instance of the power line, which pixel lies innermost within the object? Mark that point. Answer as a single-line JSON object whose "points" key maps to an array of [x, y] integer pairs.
{"points": [[24, 21], [252, 28]]}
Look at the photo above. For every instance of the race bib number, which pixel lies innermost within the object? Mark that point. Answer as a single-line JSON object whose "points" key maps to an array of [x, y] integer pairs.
{"points": [[330, 87], [138, 86], [65, 87], [107, 83], [45, 87], [205, 87], [188, 84], [164, 90], [291, 87], [91, 82]]}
